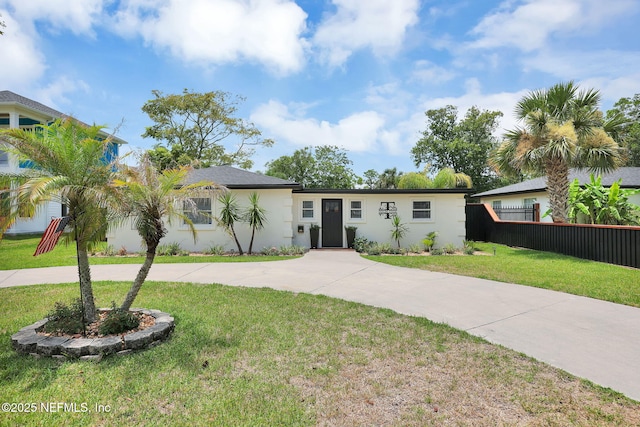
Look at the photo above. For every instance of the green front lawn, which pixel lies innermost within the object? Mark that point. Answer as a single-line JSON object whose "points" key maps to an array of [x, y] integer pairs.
{"points": [[16, 252], [534, 268], [258, 357]]}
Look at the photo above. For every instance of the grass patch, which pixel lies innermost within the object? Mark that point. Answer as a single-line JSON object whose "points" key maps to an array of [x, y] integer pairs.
{"points": [[262, 357], [16, 252], [546, 270]]}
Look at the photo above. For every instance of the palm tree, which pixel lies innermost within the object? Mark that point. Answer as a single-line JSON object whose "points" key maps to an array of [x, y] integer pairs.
{"points": [[255, 215], [562, 130], [229, 215], [69, 167], [445, 178], [398, 230], [448, 178], [149, 197]]}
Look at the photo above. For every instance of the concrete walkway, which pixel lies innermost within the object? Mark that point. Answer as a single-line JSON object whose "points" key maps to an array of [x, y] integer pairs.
{"points": [[589, 338]]}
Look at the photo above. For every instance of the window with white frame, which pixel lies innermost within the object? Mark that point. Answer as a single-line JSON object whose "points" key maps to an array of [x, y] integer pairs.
{"points": [[199, 211], [355, 211], [4, 158], [307, 209], [528, 202], [496, 204], [422, 210]]}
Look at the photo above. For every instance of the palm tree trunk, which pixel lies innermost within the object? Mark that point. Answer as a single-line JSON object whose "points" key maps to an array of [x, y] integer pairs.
{"points": [[140, 278], [253, 232], [86, 290], [233, 232], [558, 187]]}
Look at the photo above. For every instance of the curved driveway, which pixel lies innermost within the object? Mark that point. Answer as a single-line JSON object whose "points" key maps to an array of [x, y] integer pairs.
{"points": [[589, 338]]}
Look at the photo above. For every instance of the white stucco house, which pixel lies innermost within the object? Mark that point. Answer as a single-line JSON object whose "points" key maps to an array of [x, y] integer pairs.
{"points": [[292, 209], [526, 193], [17, 111]]}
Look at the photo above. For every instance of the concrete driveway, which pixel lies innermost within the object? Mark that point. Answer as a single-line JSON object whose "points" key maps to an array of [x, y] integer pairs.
{"points": [[589, 338]]}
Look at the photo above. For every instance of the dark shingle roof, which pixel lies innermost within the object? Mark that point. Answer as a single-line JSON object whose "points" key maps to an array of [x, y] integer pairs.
{"points": [[232, 177], [630, 179], [8, 97]]}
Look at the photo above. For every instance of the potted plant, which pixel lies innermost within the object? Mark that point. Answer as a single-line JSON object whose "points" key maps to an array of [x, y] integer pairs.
{"points": [[314, 232], [351, 235]]}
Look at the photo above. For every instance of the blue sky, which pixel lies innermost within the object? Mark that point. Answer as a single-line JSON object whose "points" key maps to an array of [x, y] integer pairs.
{"points": [[358, 74]]}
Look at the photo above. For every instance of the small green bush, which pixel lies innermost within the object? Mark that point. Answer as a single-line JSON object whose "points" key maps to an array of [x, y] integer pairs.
{"points": [[437, 251], [450, 249], [118, 321], [215, 250], [296, 250], [415, 248], [430, 240], [109, 250], [272, 251], [170, 249], [66, 319], [361, 244]]}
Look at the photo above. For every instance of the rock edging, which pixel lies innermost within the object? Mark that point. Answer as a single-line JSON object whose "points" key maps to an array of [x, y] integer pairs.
{"points": [[28, 341]]}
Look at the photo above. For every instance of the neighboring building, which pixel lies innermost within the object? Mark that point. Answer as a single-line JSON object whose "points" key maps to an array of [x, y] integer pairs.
{"points": [[19, 112], [526, 193], [291, 210]]}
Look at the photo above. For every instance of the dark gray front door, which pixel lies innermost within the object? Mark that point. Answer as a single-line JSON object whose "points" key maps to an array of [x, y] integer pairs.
{"points": [[331, 223]]}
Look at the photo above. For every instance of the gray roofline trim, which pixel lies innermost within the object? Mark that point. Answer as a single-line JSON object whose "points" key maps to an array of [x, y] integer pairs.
{"points": [[384, 191], [262, 186]]}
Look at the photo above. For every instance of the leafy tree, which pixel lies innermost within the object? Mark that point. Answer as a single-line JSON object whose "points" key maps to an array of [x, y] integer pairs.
{"points": [[149, 197], [70, 168], [164, 158], [626, 112], [562, 130], [600, 205], [320, 167], [198, 124], [229, 215], [255, 215], [463, 145], [371, 178]]}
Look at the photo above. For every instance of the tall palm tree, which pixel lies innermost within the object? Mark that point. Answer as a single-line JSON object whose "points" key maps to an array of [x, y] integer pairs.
{"points": [[255, 215], [150, 197], [229, 215], [562, 130], [69, 167]]}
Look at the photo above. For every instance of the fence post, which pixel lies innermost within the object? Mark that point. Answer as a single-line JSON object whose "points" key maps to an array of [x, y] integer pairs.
{"points": [[536, 212]]}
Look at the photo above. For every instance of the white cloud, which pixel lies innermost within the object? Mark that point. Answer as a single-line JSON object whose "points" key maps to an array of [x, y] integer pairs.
{"points": [[20, 50], [358, 132], [54, 94], [528, 26], [224, 31], [377, 24], [430, 73], [77, 16]]}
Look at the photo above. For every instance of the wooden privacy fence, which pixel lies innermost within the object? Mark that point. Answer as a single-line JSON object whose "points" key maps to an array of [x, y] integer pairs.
{"points": [[606, 243]]}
